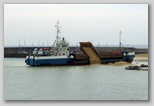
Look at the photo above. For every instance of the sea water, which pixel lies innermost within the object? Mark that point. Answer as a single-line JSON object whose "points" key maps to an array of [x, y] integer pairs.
{"points": [[89, 82]]}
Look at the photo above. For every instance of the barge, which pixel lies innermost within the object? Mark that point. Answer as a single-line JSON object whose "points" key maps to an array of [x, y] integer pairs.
{"points": [[59, 54]]}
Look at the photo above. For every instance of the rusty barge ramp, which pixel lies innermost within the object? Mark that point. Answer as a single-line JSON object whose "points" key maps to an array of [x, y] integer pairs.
{"points": [[88, 49]]}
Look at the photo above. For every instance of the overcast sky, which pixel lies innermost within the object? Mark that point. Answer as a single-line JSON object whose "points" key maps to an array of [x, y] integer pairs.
{"points": [[97, 23]]}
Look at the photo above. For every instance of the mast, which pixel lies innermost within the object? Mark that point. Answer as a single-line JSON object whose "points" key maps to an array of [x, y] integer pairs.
{"points": [[58, 31], [19, 46], [120, 40], [47, 42], [24, 45]]}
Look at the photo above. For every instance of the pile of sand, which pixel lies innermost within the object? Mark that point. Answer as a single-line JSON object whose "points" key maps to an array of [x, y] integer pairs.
{"points": [[94, 59]]}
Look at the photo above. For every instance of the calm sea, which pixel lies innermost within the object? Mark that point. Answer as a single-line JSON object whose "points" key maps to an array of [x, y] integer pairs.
{"points": [[91, 82]]}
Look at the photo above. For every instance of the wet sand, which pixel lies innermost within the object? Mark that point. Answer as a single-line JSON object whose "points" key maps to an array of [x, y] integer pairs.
{"points": [[120, 63]]}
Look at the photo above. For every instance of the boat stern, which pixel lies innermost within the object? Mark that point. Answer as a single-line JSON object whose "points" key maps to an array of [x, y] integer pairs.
{"points": [[129, 56]]}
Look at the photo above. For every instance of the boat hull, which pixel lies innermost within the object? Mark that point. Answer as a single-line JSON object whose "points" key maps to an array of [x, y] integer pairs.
{"points": [[125, 58], [46, 61], [65, 60], [33, 61]]}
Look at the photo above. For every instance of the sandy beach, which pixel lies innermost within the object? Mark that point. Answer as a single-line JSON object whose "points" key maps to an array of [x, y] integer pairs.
{"points": [[141, 57]]}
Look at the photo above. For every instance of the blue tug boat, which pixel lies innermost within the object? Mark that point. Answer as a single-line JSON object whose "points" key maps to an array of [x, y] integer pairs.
{"points": [[59, 54]]}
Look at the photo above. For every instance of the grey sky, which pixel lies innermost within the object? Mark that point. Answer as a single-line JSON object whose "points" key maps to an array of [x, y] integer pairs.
{"points": [[98, 23]]}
